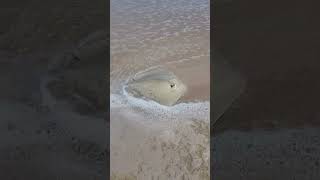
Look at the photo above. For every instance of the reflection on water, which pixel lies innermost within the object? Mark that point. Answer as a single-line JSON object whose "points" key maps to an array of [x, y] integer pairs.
{"points": [[149, 140]]}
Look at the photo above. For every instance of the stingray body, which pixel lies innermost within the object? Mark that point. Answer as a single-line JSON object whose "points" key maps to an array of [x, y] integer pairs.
{"points": [[159, 85]]}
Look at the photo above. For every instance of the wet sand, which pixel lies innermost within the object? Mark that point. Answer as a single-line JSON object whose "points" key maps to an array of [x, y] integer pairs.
{"points": [[196, 76], [148, 140]]}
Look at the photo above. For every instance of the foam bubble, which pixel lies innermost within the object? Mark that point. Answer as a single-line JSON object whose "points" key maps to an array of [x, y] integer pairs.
{"points": [[155, 111]]}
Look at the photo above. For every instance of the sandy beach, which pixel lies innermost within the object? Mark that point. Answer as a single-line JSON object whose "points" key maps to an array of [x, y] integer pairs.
{"points": [[146, 137], [149, 140]]}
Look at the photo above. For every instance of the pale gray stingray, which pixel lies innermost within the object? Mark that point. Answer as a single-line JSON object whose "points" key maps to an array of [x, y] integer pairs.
{"points": [[157, 84], [228, 84]]}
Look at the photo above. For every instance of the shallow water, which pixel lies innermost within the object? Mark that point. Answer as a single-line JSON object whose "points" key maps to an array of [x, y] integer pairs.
{"points": [[149, 140]]}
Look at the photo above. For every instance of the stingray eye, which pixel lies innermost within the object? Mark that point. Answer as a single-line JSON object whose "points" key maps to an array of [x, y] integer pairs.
{"points": [[172, 85]]}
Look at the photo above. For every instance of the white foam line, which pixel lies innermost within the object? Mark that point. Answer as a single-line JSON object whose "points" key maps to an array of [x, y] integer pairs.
{"points": [[154, 110]]}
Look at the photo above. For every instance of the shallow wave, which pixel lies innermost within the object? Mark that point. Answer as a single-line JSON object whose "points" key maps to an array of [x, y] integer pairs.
{"points": [[155, 111], [150, 140]]}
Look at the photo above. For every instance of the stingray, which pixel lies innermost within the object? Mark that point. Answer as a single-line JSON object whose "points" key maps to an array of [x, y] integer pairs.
{"points": [[157, 84], [228, 84]]}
